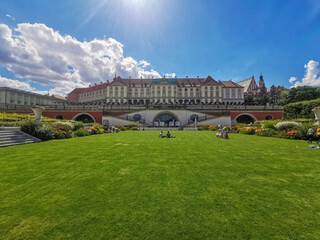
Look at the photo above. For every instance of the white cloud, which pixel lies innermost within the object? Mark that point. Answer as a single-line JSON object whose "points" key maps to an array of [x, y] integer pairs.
{"points": [[170, 75], [311, 77], [144, 63], [9, 16], [292, 79], [5, 82], [40, 54]]}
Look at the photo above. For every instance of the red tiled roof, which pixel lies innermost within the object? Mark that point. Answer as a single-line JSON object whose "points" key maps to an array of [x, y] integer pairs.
{"points": [[77, 91], [94, 88], [230, 84]]}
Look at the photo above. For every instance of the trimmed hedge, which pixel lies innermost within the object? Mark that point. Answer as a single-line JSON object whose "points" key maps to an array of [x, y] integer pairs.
{"points": [[301, 109]]}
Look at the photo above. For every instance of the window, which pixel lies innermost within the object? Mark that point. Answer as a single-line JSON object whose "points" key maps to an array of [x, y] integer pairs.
{"points": [[268, 117], [227, 93], [233, 93]]}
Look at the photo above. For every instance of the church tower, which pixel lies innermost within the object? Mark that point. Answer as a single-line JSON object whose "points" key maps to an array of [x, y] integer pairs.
{"points": [[261, 83]]}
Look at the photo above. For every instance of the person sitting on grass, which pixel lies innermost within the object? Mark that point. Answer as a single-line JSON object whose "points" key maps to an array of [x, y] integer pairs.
{"points": [[169, 135], [226, 136], [161, 134]]}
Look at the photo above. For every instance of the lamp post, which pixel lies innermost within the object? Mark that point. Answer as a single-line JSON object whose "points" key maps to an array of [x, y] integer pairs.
{"points": [[37, 110]]}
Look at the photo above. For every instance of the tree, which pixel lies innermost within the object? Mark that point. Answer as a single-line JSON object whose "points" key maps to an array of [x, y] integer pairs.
{"points": [[248, 100], [274, 95], [302, 93]]}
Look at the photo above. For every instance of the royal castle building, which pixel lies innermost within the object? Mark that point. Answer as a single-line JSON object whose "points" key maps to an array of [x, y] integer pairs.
{"points": [[161, 91]]}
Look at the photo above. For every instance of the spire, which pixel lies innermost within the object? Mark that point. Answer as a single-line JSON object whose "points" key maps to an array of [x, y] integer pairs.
{"points": [[261, 82]]}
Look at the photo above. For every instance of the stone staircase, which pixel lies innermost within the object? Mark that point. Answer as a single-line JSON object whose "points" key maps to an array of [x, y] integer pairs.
{"points": [[13, 136]]}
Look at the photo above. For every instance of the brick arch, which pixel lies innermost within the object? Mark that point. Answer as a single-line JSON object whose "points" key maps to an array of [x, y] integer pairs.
{"points": [[166, 113], [79, 114], [247, 114]]}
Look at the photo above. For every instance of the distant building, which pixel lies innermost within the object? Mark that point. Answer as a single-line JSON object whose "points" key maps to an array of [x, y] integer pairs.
{"points": [[251, 87], [162, 91], [11, 96]]}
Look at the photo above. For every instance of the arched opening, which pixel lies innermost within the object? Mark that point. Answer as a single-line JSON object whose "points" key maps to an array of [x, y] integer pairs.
{"points": [[246, 118], [60, 117], [268, 117], [166, 119], [84, 117]]}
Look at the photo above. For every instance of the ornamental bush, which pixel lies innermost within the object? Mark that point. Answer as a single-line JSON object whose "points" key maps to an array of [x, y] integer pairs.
{"points": [[266, 132], [78, 125], [61, 134], [270, 124], [44, 132], [132, 126], [247, 130], [64, 126], [202, 127], [280, 126], [81, 132]]}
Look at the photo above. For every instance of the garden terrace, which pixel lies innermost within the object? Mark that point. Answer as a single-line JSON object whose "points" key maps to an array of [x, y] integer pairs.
{"points": [[135, 185]]}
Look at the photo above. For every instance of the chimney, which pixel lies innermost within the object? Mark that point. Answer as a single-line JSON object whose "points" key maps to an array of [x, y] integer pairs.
{"points": [[130, 77], [186, 76], [107, 81], [89, 85], [141, 77], [152, 77], [164, 76], [197, 76], [175, 76]]}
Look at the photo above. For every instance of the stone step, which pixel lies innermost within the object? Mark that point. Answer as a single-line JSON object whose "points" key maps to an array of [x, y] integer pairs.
{"points": [[10, 137], [6, 144], [14, 138]]}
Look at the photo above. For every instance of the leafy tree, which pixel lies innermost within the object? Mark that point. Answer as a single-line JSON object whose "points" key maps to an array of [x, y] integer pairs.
{"points": [[274, 95], [248, 100], [301, 94]]}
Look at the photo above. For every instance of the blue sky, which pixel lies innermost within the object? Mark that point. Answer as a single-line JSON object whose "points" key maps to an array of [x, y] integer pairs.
{"points": [[225, 39]]}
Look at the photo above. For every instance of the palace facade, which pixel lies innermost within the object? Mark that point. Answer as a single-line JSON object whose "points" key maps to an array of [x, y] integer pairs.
{"points": [[161, 91]]}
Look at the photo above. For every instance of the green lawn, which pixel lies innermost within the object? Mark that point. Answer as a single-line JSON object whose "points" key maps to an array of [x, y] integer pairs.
{"points": [[133, 185]]}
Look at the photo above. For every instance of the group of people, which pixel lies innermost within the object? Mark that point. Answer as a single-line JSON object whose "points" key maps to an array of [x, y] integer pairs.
{"points": [[223, 133], [168, 135]]}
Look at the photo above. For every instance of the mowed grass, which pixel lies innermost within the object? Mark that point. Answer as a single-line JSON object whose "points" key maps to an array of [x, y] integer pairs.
{"points": [[133, 185]]}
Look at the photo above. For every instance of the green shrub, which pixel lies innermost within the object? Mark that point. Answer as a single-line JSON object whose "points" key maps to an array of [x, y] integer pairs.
{"points": [[270, 124], [44, 132], [81, 132], [301, 109], [65, 126], [247, 130], [303, 130], [266, 132], [11, 124], [203, 127], [61, 134], [280, 126], [29, 127], [77, 125], [132, 126]]}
